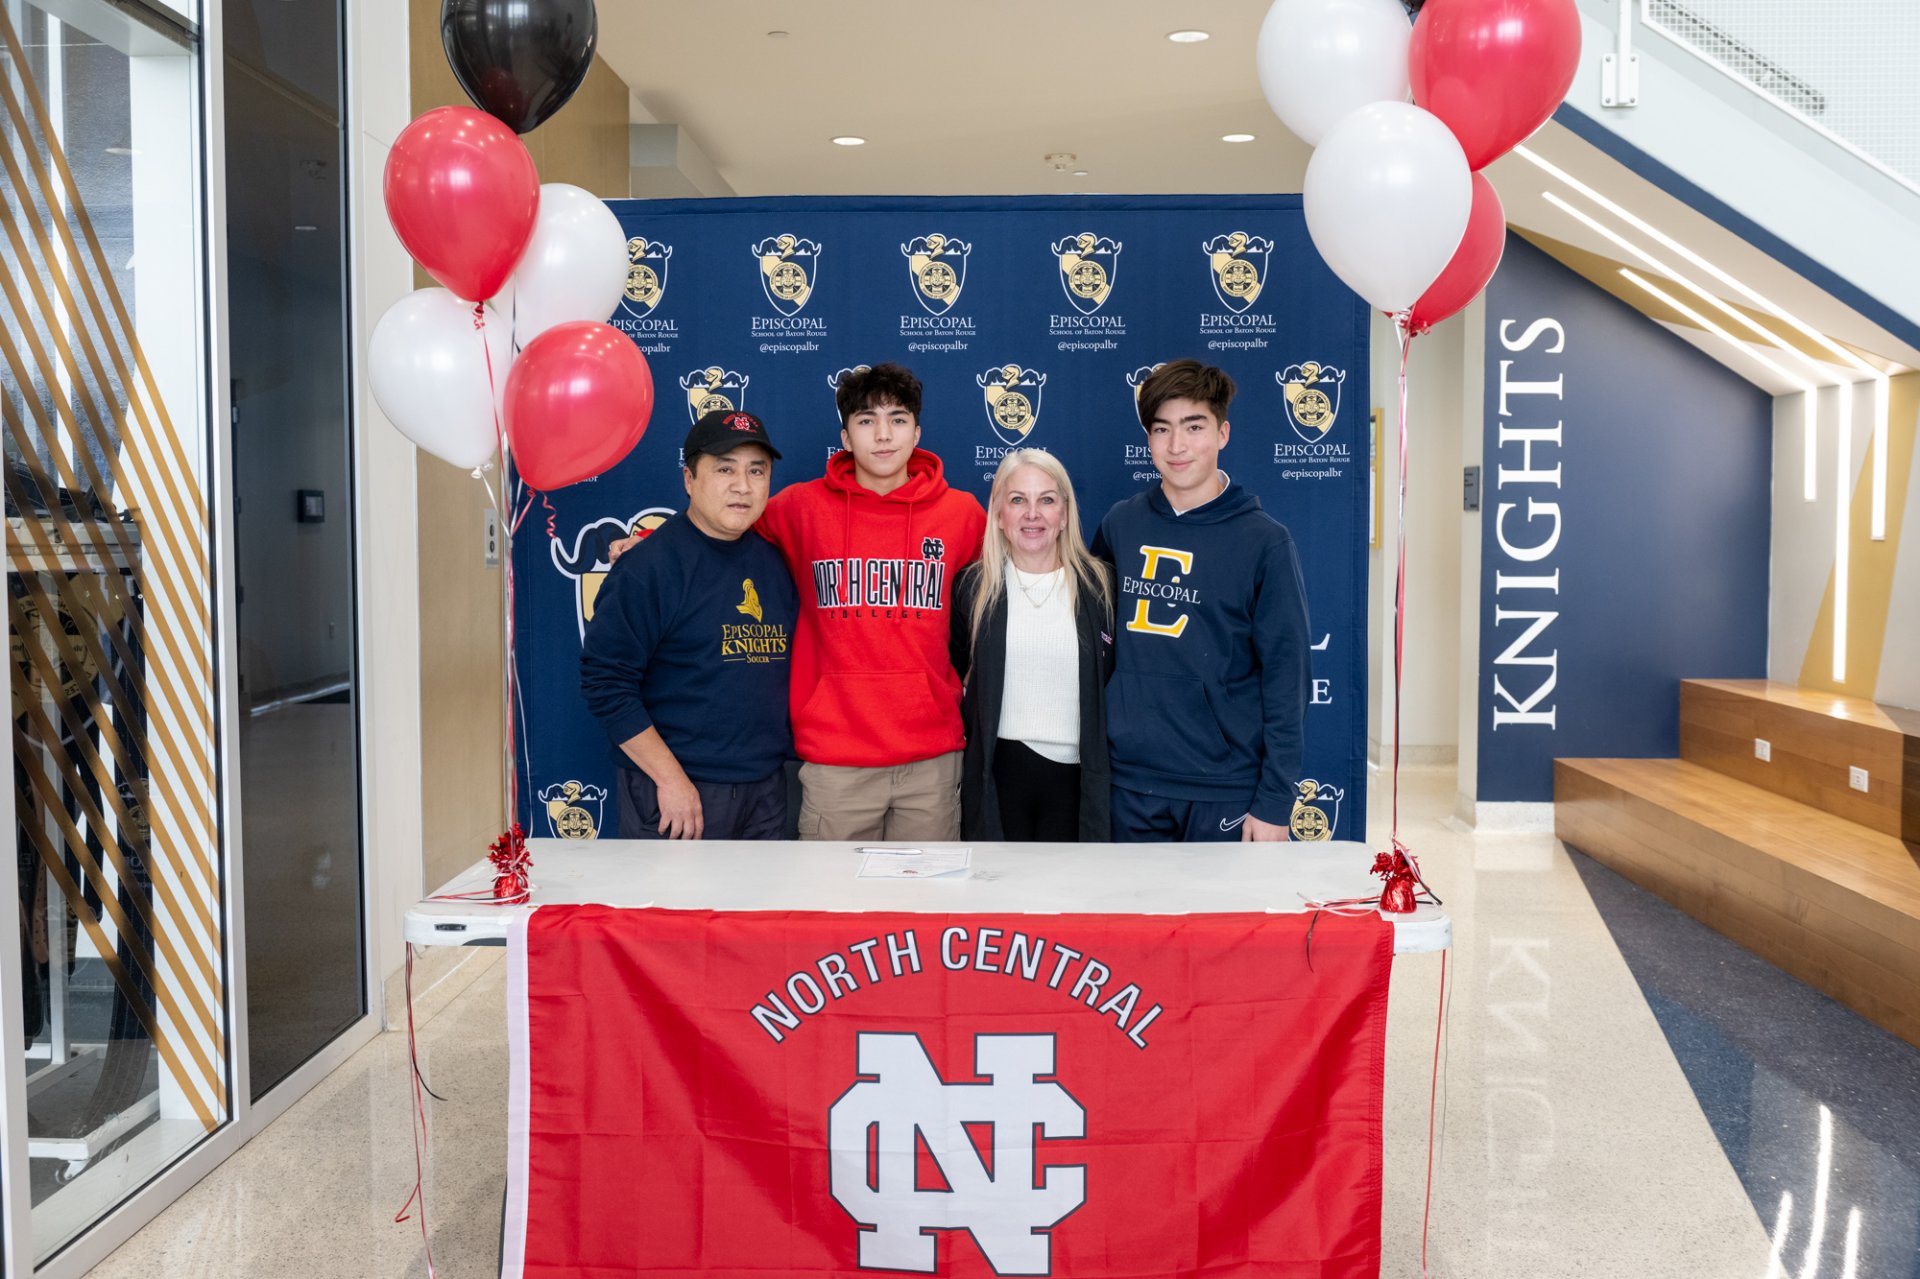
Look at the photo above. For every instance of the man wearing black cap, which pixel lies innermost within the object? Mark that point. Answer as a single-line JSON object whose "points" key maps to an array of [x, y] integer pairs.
{"points": [[686, 658]]}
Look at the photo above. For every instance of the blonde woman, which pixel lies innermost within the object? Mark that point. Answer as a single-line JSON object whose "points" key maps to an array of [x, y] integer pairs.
{"points": [[1033, 639]]}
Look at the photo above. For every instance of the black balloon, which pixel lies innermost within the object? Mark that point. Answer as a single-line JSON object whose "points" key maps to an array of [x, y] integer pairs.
{"points": [[519, 60]]}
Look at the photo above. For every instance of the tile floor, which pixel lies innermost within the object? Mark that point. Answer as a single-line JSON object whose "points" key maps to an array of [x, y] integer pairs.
{"points": [[1572, 1139]]}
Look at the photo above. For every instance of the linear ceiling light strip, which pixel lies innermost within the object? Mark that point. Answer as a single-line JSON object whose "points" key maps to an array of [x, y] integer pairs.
{"points": [[1842, 510], [1809, 393], [1878, 524]]}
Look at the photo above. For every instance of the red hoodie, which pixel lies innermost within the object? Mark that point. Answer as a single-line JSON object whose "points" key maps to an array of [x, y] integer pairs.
{"points": [[873, 685]]}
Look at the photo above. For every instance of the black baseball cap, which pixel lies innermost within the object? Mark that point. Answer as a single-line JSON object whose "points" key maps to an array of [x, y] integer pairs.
{"points": [[722, 431]]}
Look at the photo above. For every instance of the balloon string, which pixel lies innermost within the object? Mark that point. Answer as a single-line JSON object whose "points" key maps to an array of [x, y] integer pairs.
{"points": [[418, 1121], [1403, 325], [509, 690]]}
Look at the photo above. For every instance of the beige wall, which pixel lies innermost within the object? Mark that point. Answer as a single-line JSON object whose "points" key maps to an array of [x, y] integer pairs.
{"points": [[462, 734]]}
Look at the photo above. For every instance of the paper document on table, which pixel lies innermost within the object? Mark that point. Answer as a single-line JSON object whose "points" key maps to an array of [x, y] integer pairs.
{"points": [[915, 863]]}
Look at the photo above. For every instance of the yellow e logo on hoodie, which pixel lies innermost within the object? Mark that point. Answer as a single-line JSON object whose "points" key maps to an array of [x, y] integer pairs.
{"points": [[1151, 557]]}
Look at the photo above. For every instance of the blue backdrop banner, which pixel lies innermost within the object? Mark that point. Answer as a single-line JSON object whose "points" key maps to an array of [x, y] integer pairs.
{"points": [[1031, 321]]}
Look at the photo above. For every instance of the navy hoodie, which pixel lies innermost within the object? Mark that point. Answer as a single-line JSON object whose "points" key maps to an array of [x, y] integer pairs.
{"points": [[693, 635], [1211, 664]]}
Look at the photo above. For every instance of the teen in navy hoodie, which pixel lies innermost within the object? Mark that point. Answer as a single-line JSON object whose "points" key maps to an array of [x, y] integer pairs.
{"points": [[1211, 666]]}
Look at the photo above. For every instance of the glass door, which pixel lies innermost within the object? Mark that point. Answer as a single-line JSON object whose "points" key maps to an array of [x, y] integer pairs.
{"points": [[121, 991]]}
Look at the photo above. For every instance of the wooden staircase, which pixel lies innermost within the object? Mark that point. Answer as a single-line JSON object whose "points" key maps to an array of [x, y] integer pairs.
{"points": [[1783, 856]]}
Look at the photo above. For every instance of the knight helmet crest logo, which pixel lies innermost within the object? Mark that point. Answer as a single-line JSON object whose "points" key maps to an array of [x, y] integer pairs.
{"points": [[1316, 810], [835, 378], [714, 389], [573, 810], [592, 556], [1013, 400], [1138, 378], [938, 266], [1089, 265], [749, 600], [1312, 394], [1008, 1207], [646, 275], [789, 267], [1239, 264]]}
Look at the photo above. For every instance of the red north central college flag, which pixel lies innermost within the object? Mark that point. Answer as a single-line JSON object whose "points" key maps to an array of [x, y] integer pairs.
{"points": [[775, 1093]]}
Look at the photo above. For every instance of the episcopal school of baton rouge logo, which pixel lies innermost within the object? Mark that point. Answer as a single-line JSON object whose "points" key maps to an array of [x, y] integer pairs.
{"points": [[573, 810], [646, 275], [590, 559], [789, 267], [1138, 378], [1239, 263], [1089, 266], [712, 389], [1312, 393], [1012, 397], [1316, 810], [937, 265]]}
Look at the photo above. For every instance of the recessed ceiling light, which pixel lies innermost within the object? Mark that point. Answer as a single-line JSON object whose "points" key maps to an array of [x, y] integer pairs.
{"points": [[120, 151], [1236, 137], [777, 35], [1079, 173], [848, 140], [1187, 37]]}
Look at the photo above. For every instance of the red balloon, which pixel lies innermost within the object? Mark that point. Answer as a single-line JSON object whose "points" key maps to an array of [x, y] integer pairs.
{"points": [[1473, 264], [577, 401], [462, 193], [1493, 70]]}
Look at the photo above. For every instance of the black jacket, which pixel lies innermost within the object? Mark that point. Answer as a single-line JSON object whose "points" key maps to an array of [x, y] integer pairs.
{"points": [[984, 671]]}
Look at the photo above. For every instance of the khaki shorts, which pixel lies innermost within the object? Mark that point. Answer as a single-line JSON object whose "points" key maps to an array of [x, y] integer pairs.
{"points": [[907, 802]]}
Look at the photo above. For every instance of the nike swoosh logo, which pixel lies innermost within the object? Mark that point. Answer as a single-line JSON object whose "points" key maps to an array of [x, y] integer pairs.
{"points": [[1229, 825]]}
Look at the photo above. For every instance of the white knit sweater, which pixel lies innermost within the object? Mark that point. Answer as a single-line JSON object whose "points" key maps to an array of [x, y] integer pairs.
{"points": [[1040, 701]]}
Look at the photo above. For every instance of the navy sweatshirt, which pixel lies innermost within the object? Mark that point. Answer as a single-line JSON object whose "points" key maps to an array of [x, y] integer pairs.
{"points": [[1211, 657], [691, 635]]}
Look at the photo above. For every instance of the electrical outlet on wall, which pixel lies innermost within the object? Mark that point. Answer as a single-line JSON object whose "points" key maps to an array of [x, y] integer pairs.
{"points": [[1857, 778], [1763, 750]]}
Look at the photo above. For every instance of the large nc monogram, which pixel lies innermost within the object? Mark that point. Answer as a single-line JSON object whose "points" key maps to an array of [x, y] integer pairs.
{"points": [[1149, 571], [871, 1134]]}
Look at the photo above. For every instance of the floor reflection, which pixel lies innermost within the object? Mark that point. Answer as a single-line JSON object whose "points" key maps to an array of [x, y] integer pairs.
{"points": [[1817, 1109]]}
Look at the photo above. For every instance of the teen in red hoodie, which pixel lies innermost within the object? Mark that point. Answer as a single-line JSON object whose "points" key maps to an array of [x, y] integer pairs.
{"points": [[875, 547]]}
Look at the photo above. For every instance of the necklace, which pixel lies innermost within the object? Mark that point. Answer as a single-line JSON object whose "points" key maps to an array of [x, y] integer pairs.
{"points": [[1052, 581]]}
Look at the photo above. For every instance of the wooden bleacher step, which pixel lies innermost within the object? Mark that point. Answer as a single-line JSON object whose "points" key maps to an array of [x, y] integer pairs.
{"points": [[1815, 738], [1832, 901]]}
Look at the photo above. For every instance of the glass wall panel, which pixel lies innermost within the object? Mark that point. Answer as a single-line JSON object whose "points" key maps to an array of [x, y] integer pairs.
{"points": [[102, 395], [287, 326]]}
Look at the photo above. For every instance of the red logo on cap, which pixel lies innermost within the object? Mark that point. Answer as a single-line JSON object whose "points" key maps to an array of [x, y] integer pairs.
{"points": [[742, 422]]}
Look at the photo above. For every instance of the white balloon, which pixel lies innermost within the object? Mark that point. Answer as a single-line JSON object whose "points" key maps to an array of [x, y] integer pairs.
{"points": [[1387, 196], [428, 367], [575, 266], [1319, 60]]}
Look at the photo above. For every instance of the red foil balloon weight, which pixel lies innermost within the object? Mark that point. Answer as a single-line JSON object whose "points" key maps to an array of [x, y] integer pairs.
{"points": [[511, 864], [1397, 897]]}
